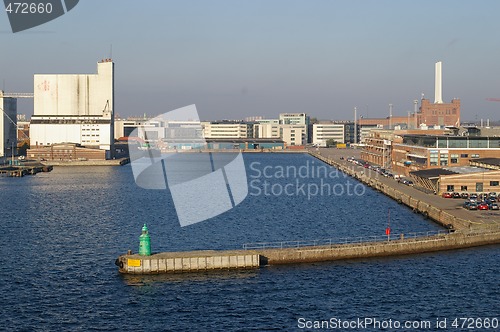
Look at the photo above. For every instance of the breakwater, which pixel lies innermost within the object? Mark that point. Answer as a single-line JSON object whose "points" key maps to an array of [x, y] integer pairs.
{"points": [[205, 260]]}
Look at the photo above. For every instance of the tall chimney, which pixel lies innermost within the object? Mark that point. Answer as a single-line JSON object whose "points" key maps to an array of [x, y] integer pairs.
{"points": [[438, 99]]}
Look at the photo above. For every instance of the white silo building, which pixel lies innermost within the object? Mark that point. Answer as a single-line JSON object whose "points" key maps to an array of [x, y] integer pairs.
{"points": [[75, 108]]}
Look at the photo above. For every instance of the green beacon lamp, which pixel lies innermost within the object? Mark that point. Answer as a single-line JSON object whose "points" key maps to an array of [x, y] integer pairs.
{"points": [[145, 242]]}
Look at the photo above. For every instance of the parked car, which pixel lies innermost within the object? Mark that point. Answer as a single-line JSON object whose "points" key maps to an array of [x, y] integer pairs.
{"points": [[446, 195], [472, 206], [493, 206], [456, 195], [482, 206], [473, 195], [464, 195], [490, 200], [466, 204], [407, 182]]}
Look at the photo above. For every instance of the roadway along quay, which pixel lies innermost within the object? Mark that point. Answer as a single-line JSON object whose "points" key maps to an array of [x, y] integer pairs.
{"points": [[445, 211]]}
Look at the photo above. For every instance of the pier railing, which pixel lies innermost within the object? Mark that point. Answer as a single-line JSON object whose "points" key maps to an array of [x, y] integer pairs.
{"points": [[342, 240]]}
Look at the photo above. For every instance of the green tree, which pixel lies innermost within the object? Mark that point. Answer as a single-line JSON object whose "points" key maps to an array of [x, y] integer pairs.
{"points": [[331, 143]]}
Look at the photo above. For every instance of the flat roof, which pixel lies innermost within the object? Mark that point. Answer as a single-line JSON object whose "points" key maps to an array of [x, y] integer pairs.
{"points": [[432, 173], [488, 161], [466, 169], [244, 140], [436, 172]]}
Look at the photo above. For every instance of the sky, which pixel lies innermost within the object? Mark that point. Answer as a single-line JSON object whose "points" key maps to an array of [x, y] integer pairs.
{"points": [[242, 58]]}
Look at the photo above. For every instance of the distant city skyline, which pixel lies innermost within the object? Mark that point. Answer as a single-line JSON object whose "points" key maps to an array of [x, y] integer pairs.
{"points": [[261, 58]]}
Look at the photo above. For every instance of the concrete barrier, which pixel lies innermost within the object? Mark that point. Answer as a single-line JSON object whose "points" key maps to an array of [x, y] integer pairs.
{"points": [[187, 262]]}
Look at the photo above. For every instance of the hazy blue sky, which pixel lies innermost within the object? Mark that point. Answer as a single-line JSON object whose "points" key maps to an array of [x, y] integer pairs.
{"points": [[243, 58]]}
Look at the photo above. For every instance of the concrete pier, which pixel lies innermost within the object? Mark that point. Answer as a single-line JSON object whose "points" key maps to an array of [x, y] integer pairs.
{"points": [[188, 261], [456, 240], [196, 261], [23, 169]]}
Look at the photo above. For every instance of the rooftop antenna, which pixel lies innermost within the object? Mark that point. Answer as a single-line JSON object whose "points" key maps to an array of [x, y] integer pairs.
{"points": [[111, 51]]}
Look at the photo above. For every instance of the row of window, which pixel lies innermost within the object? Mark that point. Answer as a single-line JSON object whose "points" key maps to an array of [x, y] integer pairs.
{"points": [[448, 112], [479, 186], [443, 158]]}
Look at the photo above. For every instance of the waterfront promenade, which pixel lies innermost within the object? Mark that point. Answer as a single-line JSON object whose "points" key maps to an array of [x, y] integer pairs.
{"points": [[447, 205]]}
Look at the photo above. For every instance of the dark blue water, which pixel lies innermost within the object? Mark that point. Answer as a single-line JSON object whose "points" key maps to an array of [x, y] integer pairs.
{"points": [[62, 231]]}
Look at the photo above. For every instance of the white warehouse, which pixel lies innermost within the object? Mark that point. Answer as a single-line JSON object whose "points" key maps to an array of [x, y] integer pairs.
{"points": [[75, 108]]}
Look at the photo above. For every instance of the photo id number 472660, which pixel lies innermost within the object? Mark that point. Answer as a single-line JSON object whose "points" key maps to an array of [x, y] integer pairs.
{"points": [[28, 8]]}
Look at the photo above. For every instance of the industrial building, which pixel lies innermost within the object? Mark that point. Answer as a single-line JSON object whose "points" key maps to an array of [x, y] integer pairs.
{"points": [[65, 152], [470, 179], [417, 152], [429, 114], [377, 147], [75, 108], [8, 125]]}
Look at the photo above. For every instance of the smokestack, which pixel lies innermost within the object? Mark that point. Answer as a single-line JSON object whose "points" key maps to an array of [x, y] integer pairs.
{"points": [[438, 99]]}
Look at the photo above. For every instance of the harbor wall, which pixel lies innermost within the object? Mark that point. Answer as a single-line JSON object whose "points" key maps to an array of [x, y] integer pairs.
{"points": [[187, 262], [196, 261], [449, 241]]}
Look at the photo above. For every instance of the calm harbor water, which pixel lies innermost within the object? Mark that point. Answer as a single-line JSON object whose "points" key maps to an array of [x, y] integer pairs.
{"points": [[61, 232]]}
